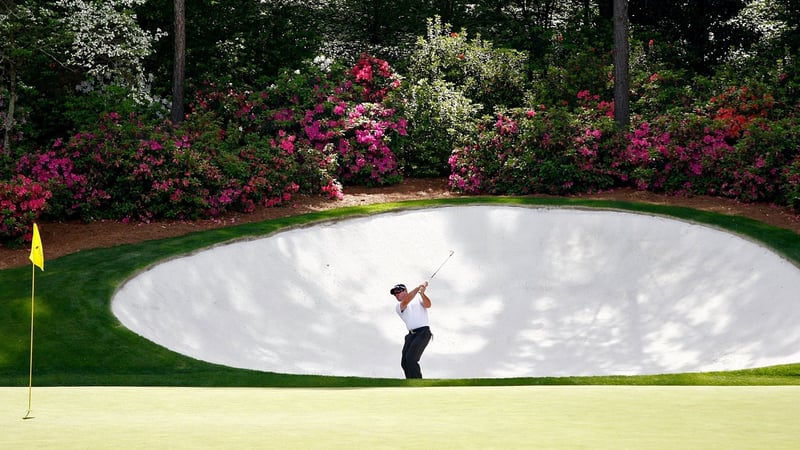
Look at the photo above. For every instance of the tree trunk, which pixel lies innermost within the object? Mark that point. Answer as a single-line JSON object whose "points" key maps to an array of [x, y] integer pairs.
{"points": [[8, 126], [622, 110], [178, 72]]}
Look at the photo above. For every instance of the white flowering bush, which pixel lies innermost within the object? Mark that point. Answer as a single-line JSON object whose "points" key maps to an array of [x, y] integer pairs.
{"points": [[491, 77], [108, 45]]}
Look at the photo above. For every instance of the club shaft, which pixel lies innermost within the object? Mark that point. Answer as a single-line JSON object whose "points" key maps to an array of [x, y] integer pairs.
{"points": [[442, 265]]}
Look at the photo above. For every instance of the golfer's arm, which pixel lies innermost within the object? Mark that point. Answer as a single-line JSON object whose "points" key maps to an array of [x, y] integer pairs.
{"points": [[407, 299], [426, 302]]}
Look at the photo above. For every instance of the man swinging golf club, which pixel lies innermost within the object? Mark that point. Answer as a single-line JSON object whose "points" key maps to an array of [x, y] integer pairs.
{"points": [[414, 313]]}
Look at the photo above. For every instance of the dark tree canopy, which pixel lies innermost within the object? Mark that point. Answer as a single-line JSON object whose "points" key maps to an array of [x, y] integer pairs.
{"points": [[234, 41], [701, 29]]}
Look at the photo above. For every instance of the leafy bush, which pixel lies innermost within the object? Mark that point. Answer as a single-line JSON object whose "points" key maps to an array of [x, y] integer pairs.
{"points": [[235, 150], [120, 170], [765, 164], [577, 62], [655, 93], [22, 201], [342, 115], [672, 153], [487, 76], [791, 183], [451, 81], [732, 145], [539, 150], [440, 119], [56, 172]]}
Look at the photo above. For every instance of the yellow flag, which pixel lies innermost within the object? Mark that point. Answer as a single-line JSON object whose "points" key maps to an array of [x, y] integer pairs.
{"points": [[37, 252]]}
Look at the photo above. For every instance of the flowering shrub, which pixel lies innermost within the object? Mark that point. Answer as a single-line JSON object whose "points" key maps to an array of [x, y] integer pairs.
{"points": [[374, 79], [112, 171], [441, 118], [22, 201], [364, 154], [731, 146], [488, 76], [234, 151], [340, 115], [765, 164], [791, 183], [68, 190], [673, 154], [315, 130], [538, 150], [355, 120], [737, 107], [108, 44]]}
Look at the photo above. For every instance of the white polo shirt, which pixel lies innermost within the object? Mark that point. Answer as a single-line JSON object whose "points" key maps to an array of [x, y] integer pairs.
{"points": [[415, 315]]}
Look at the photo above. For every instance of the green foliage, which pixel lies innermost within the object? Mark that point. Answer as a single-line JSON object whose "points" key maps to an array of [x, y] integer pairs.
{"points": [[127, 168], [490, 77], [80, 110], [440, 118], [573, 65], [384, 28], [700, 32], [656, 87], [22, 201], [539, 150], [451, 81], [237, 43], [765, 162], [235, 150], [31, 39], [791, 176], [736, 145], [730, 131]]}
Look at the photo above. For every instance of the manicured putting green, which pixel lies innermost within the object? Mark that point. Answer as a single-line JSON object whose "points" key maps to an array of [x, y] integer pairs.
{"points": [[591, 417]]}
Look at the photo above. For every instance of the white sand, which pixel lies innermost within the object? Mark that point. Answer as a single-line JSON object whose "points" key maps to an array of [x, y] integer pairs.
{"points": [[528, 292]]}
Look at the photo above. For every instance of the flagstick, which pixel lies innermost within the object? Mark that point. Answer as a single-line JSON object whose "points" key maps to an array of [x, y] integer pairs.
{"points": [[37, 258], [30, 376]]}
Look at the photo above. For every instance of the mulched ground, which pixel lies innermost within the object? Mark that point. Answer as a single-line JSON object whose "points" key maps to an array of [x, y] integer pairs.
{"points": [[59, 239]]}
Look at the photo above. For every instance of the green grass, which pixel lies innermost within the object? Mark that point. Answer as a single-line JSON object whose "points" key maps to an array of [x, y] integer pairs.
{"points": [[78, 341], [535, 417]]}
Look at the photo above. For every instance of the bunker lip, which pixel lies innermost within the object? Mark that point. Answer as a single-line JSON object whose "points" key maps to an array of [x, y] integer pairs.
{"points": [[528, 292]]}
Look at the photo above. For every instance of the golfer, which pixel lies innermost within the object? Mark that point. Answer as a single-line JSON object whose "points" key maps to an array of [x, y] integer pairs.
{"points": [[414, 313]]}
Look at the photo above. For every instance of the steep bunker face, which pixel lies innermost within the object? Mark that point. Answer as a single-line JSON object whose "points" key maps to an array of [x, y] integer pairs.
{"points": [[527, 292]]}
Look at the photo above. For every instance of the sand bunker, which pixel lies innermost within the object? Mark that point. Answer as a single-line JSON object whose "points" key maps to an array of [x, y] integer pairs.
{"points": [[527, 292]]}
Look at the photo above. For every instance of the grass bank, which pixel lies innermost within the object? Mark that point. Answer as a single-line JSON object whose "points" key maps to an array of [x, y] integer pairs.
{"points": [[78, 341]]}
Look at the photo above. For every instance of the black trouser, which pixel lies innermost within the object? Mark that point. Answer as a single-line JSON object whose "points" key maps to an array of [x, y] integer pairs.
{"points": [[416, 341]]}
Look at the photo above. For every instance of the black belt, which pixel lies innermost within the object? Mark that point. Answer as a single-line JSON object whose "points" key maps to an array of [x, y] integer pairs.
{"points": [[416, 330]]}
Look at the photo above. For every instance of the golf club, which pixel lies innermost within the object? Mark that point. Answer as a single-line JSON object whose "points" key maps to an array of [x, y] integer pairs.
{"points": [[442, 265]]}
